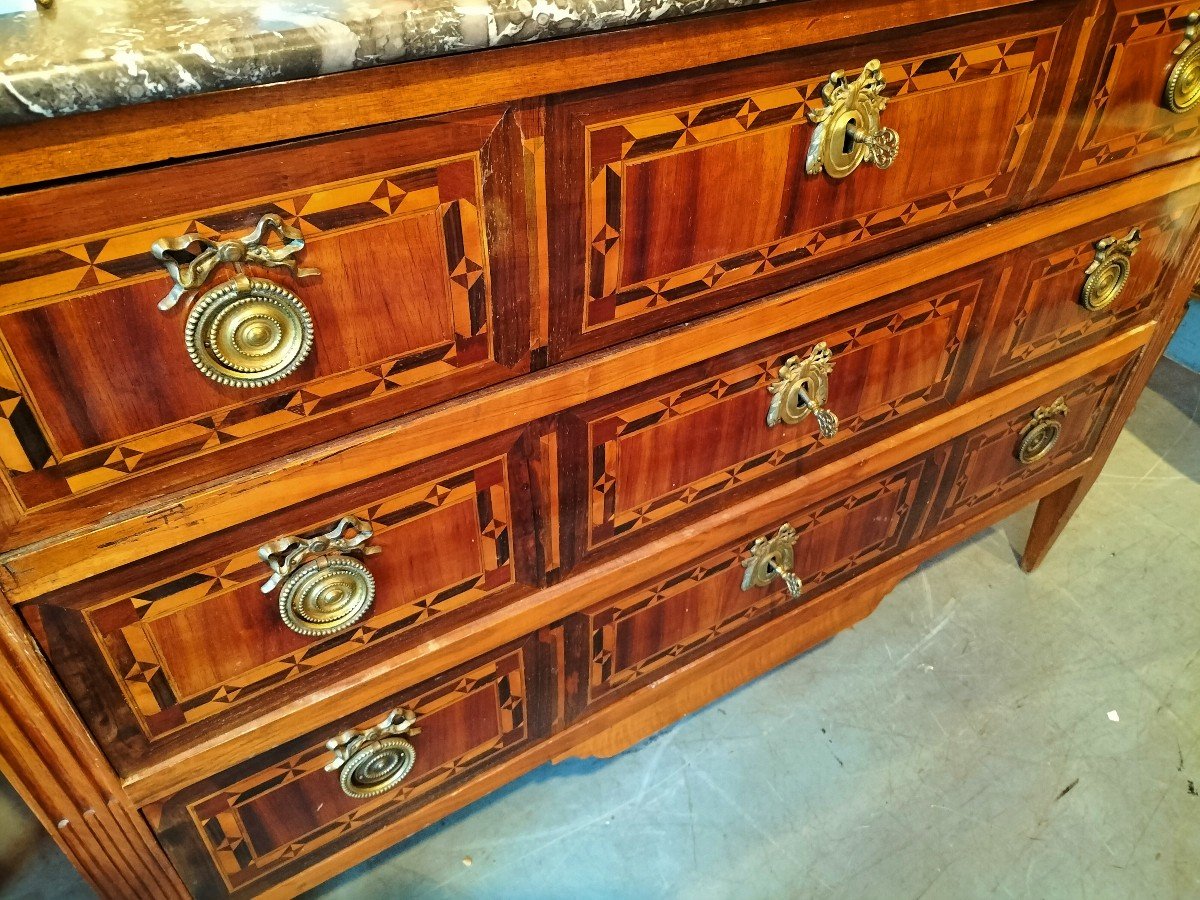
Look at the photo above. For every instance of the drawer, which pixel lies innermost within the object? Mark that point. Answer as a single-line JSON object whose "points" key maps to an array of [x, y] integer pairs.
{"points": [[251, 826], [1125, 122], [1067, 292], [619, 644], [1016, 451], [676, 197], [160, 653], [421, 295], [660, 454]]}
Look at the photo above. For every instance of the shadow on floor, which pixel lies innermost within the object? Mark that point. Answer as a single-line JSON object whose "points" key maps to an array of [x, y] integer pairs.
{"points": [[1174, 385], [1185, 345]]}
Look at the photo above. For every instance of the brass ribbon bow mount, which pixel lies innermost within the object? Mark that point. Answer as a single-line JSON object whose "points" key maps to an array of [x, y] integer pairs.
{"points": [[324, 590], [286, 554], [249, 249], [245, 332], [373, 761], [1109, 271]]}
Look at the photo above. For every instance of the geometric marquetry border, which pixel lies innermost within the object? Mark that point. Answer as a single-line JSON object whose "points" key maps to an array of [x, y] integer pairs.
{"points": [[121, 628], [897, 488], [612, 146], [1007, 432], [450, 189], [1025, 345], [1130, 30], [608, 521], [217, 817]]}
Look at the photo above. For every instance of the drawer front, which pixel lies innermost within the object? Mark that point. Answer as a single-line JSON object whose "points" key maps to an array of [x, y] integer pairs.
{"points": [[1040, 315], [986, 467], [1125, 123], [665, 452], [617, 645], [691, 194], [242, 830], [419, 298], [149, 658]]}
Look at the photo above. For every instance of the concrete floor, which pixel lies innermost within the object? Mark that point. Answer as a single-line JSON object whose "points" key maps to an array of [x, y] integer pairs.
{"points": [[985, 732]]}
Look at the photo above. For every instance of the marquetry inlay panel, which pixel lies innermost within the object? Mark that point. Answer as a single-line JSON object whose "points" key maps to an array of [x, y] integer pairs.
{"points": [[1125, 116], [885, 367], [984, 468], [429, 217], [615, 149], [684, 614], [248, 831], [1040, 317], [156, 640]]}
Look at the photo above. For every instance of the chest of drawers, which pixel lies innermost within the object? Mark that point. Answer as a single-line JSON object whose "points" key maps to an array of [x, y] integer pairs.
{"points": [[508, 407]]}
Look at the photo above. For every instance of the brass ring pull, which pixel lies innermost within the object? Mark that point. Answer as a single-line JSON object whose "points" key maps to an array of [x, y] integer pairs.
{"points": [[1183, 84], [324, 589], [802, 387], [848, 131], [245, 332], [1109, 271], [248, 332], [374, 761], [773, 557], [1040, 435]]}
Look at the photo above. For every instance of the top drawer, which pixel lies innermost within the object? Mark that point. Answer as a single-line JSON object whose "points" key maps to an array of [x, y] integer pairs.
{"points": [[686, 195], [421, 296], [1141, 106]]}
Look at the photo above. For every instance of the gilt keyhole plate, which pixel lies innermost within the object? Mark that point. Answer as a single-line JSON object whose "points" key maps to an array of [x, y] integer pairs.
{"points": [[765, 567], [793, 410], [773, 557], [848, 129], [801, 378]]}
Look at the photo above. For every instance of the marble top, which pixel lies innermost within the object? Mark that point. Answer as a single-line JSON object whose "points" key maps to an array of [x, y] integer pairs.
{"points": [[85, 55]]}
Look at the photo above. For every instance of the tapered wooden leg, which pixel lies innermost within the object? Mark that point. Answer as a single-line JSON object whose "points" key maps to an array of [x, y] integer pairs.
{"points": [[1054, 511]]}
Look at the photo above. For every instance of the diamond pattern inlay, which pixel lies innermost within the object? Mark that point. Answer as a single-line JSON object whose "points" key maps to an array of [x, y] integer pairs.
{"points": [[615, 146], [125, 626], [59, 273]]}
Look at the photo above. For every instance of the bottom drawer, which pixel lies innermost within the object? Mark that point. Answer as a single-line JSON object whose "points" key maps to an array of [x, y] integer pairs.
{"points": [[616, 646], [260, 822], [1010, 454]]}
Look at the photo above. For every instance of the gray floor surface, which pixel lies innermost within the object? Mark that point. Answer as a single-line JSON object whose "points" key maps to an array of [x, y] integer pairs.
{"points": [[1185, 345], [984, 733]]}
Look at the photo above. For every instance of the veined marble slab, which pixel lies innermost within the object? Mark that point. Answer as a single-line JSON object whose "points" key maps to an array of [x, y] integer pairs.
{"points": [[85, 55]]}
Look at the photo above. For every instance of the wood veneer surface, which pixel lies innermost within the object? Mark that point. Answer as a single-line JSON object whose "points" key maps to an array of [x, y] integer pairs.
{"points": [[613, 224]]}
